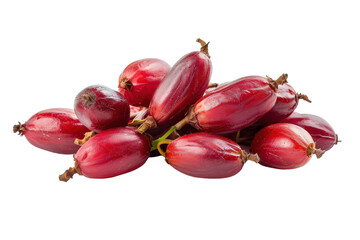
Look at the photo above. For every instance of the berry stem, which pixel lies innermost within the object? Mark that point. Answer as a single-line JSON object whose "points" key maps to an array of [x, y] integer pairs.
{"points": [[149, 123], [166, 141], [310, 150], [280, 81], [87, 136], [68, 174], [162, 138], [19, 128], [212, 85], [248, 156], [303, 97], [136, 122], [204, 47], [189, 118], [182, 123]]}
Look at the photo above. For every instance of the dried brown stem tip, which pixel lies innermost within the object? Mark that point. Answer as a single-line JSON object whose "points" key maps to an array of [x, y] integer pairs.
{"points": [[20, 129], [88, 99], [87, 136], [204, 47], [70, 173], [213, 85], [126, 84], [149, 123], [303, 97], [247, 156], [312, 150], [280, 81], [67, 174]]}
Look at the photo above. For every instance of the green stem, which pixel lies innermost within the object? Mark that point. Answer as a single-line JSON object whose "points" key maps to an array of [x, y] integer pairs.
{"points": [[155, 142]]}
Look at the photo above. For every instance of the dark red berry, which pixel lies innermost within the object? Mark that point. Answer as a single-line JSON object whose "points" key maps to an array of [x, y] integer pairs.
{"points": [[184, 84], [53, 130], [100, 108], [140, 79], [234, 106], [286, 102], [110, 153], [284, 146], [320, 130], [206, 155]]}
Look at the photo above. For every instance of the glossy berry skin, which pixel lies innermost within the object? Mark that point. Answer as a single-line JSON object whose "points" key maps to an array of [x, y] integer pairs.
{"points": [[185, 83], [286, 103], [53, 130], [234, 106], [140, 79], [320, 130], [100, 108], [282, 146], [205, 155], [113, 152]]}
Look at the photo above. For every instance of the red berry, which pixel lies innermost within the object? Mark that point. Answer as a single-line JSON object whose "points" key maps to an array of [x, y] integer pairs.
{"points": [[234, 106], [320, 130], [286, 102], [185, 83], [206, 155], [110, 153], [140, 79], [100, 108], [53, 130], [284, 146]]}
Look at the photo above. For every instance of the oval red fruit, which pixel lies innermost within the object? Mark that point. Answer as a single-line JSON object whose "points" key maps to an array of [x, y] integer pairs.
{"points": [[284, 146], [184, 84], [110, 153], [320, 130], [100, 108], [206, 155], [234, 106], [53, 130], [286, 102], [140, 79]]}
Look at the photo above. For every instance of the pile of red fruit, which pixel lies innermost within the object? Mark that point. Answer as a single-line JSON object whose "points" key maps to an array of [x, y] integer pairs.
{"points": [[202, 130]]}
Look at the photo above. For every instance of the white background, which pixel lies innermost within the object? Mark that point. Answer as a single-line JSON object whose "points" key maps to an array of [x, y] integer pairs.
{"points": [[50, 51]]}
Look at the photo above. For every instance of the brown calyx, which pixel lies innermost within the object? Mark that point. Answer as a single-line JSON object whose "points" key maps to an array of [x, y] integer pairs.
{"points": [[310, 150], [204, 47], [149, 123], [302, 96], [68, 174], [126, 83], [19, 128], [190, 118], [87, 136], [88, 99], [248, 156], [280, 81]]}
